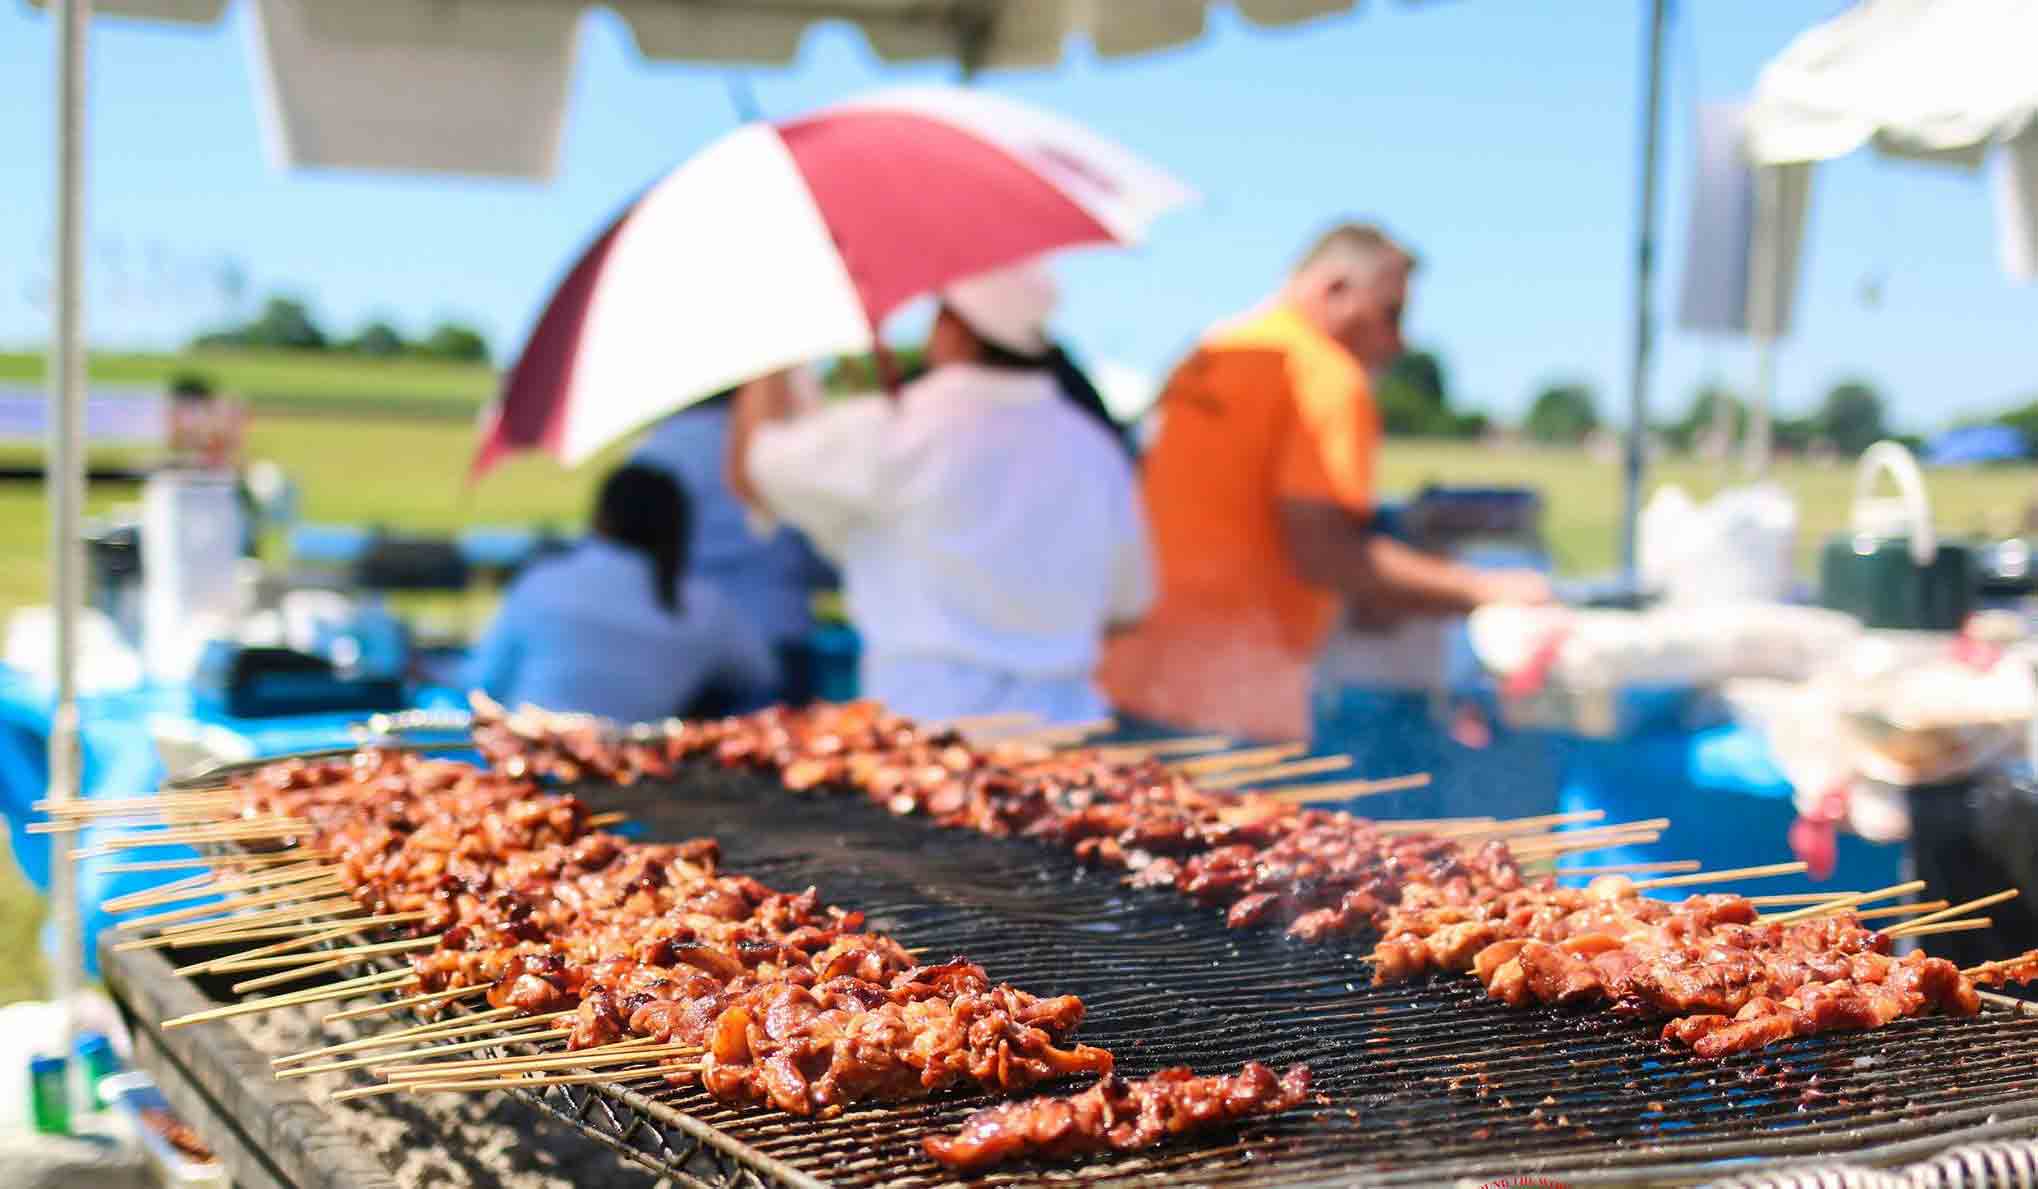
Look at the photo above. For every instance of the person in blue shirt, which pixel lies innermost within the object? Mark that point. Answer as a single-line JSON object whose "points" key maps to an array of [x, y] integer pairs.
{"points": [[614, 627], [771, 575]]}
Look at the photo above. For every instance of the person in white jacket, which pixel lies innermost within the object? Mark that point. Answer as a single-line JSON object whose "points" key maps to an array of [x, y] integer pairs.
{"points": [[987, 531]]}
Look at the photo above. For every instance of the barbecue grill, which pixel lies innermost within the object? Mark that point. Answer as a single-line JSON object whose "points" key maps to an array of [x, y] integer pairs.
{"points": [[1429, 1083]]}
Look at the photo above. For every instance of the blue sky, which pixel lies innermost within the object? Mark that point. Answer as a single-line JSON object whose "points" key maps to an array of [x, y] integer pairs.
{"points": [[1498, 136]]}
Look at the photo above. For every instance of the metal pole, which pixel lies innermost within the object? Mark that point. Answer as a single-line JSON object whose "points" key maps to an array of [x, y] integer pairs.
{"points": [[1761, 409], [1645, 276], [65, 483]]}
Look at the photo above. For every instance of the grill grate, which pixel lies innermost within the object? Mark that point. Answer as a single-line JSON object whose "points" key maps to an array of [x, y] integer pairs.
{"points": [[1431, 1082]]}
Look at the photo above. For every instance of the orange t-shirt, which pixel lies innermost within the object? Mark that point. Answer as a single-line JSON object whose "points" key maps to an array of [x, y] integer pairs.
{"points": [[1267, 409]]}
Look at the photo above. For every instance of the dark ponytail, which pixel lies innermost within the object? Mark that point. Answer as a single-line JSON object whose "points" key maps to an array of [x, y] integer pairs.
{"points": [[647, 509]]}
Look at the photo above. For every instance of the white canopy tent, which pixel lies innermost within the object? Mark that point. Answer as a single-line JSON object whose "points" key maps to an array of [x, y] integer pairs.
{"points": [[1952, 82], [480, 86]]}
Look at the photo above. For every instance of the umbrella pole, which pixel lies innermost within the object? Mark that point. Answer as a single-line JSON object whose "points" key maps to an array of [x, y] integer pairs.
{"points": [[1645, 277], [64, 481]]}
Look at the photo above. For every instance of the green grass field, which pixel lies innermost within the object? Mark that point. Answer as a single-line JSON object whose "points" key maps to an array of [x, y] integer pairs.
{"points": [[407, 472], [293, 378]]}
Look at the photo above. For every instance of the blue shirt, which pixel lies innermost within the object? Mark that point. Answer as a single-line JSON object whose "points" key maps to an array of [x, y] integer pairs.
{"points": [[771, 577], [582, 632]]}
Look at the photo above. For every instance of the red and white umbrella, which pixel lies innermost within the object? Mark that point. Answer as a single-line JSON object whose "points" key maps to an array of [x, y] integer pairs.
{"points": [[785, 243]]}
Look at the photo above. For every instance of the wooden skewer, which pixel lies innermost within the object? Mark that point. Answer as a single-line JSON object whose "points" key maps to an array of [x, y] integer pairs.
{"points": [[1789, 898], [431, 1031], [969, 723], [1165, 747], [607, 819], [295, 855], [1666, 865], [1072, 735], [202, 884], [1705, 877], [185, 837], [1909, 927], [229, 828], [1523, 825], [465, 1046], [212, 884], [1960, 926], [574, 1079], [1999, 963], [1314, 766], [376, 1009], [123, 806], [346, 954], [1420, 825], [318, 900], [280, 947], [340, 990], [355, 924], [1324, 792], [1899, 910], [1251, 757], [1845, 901], [1549, 853], [232, 904], [1565, 840], [254, 927], [621, 1053], [283, 977]]}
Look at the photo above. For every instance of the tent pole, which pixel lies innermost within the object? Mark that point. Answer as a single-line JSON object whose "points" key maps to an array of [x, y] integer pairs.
{"points": [[64, 481], [1645, 275], [1760, 433]]}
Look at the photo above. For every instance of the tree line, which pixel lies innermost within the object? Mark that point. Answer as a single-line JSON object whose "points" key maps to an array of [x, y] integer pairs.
{"points": [[1850, 417], [286, 324]]}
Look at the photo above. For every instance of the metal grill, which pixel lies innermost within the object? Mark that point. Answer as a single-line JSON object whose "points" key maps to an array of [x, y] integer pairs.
{"points": [[1430, 1083]]}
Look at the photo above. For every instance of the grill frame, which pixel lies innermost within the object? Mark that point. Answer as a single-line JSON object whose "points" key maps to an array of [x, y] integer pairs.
{"points": [[701, 1143]]}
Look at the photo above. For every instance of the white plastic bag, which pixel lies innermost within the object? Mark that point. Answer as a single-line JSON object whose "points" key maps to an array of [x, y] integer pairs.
{"points": [[1737, 547]]}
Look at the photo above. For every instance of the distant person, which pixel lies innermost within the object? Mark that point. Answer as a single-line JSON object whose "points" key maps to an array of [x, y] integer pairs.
{"points": [[770, 575], [614, 627], [1260, 490], [987, 530]]}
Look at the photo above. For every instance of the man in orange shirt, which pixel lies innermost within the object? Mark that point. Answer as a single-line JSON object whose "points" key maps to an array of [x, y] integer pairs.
{"points": [[1259, 495]]}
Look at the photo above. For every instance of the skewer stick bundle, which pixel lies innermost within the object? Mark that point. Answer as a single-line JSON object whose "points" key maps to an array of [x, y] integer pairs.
{"points": [[509, 1083], [1665, 866], [1163, 747], [1838, 903], [341, 990], [426, 1000], [1251, 757], [232, 904], [1310, 767], [433, 1030], [623, 1053], [294, 855], [1961, 926], [1910, 928], [1323, 792], [464, 1046], [1706, 877], [279, 947], [346, 954], [213, 884]]}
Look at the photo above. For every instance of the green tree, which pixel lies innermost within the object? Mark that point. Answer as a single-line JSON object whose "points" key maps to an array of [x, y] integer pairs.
{"points": [[1705, 413], [453, 340], [2024, 419], [285, 323], [377, 338], [1562, 414], [1851, 416]]}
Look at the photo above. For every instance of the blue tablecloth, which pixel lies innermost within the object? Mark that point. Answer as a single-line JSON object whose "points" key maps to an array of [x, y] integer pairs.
{"points": [[1728, 803], [120, 760]]}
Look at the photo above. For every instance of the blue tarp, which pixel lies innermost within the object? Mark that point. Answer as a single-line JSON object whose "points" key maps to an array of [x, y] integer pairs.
{"points": [[1976, 444]]}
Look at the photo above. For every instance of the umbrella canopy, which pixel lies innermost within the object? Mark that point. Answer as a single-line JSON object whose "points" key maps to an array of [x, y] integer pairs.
{"points": [[784, 243], [480, 86]]}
